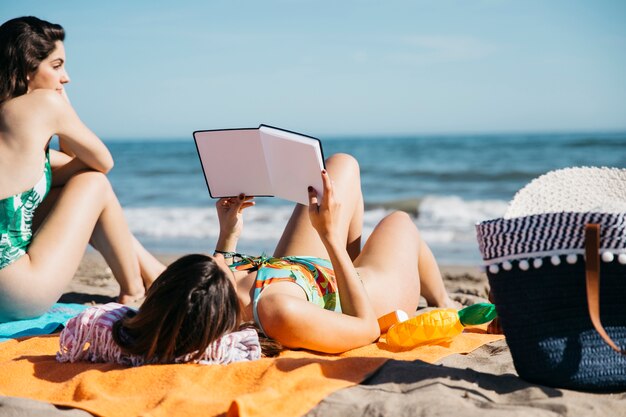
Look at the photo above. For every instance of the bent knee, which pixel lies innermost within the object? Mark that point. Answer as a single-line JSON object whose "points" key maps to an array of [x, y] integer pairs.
{"points": [[346, 161], [400, 217], [93, 181]]}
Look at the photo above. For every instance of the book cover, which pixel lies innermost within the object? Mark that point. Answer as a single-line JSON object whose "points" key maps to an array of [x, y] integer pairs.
{"points": [[263, 161]]}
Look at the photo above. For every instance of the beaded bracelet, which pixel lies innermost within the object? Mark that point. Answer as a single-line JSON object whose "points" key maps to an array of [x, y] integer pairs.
{"points": [[227, 255]]}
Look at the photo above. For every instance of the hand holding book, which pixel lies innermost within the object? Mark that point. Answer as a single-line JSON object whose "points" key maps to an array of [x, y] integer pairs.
{"points": [[323, 209]]}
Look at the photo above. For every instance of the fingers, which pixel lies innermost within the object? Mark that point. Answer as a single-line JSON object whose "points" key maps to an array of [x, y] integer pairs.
{"points": [[328, 187], [245, 205], [222, 202], [237, 203], [312, 199]]}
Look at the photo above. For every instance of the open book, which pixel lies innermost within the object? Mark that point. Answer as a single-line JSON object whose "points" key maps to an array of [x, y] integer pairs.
{"points": [[263, 161]]}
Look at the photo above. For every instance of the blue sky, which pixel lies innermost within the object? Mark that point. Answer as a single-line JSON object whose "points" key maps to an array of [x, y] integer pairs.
{"points": [[329, 67]]}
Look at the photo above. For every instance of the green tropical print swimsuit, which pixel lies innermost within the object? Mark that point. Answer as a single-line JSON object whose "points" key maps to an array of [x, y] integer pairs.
{"points": [[16, 218]]}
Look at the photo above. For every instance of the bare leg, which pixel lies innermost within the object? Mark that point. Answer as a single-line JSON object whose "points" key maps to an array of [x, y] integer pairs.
{"points": [[395, 265], [121, 250], [300, 238], [149, 266], [112, 238], [125, 256], [31, 284], [431, 281]]}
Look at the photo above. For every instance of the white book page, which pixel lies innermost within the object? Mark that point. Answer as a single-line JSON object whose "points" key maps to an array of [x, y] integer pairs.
{"points": [[233, 162], [294, 162]]}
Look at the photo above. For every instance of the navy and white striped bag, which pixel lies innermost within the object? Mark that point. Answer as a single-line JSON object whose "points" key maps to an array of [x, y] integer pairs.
{"points": [[556, 264]]}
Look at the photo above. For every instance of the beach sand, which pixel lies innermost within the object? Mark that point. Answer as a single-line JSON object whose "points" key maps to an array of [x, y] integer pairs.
{"points": [[482, 383]]}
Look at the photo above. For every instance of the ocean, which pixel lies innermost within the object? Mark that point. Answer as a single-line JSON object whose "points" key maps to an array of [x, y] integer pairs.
{"points": [[447, 182]]}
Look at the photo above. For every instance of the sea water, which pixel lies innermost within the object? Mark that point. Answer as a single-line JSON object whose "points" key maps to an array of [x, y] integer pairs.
{"points": [[447, 184]]}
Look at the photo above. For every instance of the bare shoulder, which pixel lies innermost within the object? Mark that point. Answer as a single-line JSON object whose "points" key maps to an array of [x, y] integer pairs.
{"points": [[36, 111], [39, 99], [34, 103], [281, 305]]}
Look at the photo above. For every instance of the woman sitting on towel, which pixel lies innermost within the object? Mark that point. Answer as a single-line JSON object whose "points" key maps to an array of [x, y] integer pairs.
{"points": [[52, 204], [320, 290]]}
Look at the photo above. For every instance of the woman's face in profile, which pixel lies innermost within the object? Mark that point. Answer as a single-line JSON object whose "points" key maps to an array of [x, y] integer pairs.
{"points": [[51, 73]]}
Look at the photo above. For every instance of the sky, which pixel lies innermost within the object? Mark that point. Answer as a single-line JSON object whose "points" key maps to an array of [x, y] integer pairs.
{"points": [[162, 69]]}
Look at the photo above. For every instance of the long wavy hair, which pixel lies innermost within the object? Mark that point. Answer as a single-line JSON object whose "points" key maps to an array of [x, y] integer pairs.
{"points": [[191, 304], [24, 43]]}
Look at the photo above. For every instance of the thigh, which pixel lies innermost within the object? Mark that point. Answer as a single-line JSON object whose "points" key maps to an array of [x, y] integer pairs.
{"points": [[45, 207], [388, 265], [299, 237], [37, 279]]}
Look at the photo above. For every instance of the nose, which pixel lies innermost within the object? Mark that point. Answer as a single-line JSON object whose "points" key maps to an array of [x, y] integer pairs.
{"points": [[65, 78]]}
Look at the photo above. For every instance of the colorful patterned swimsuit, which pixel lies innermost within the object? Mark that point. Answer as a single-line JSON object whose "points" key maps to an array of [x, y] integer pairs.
{"points": [[16, 218], [314, 275]]}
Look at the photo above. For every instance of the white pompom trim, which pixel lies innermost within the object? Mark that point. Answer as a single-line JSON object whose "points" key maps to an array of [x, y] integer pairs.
{"points": [[608, 257], [524, 264]]}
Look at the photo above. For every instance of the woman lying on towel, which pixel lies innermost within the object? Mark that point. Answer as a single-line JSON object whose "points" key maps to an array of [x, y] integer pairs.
{"points": [[320, 290], [52, 204]]}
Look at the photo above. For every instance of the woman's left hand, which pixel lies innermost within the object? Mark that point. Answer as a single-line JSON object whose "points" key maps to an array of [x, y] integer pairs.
{"points": [[229, 213], [324, 214]]}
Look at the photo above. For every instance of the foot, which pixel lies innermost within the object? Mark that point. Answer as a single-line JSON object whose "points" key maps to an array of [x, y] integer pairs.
{"points": [[131, 300], [149, 273], [450, 303]]}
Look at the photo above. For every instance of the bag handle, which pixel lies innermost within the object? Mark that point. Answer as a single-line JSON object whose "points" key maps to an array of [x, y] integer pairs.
{"points": [[592, 271]]}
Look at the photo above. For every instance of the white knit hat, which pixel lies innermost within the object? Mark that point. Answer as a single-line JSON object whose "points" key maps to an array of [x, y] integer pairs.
{"points": [[579, 189]]}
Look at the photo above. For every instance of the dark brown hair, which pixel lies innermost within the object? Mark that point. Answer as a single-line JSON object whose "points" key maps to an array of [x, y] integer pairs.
{"points": [[191, 304], [24, 43]]}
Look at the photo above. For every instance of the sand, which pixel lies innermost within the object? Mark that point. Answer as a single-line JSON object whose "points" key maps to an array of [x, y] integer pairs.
{"points": [[482, 383]]}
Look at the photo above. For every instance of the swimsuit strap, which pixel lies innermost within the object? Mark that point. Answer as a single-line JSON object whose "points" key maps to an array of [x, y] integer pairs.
{"points": [[253, 263]]}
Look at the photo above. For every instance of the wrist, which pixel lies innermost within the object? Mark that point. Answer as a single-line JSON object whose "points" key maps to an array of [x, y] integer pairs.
{"points": [[331, 242], [226, 244], [228, 256]]}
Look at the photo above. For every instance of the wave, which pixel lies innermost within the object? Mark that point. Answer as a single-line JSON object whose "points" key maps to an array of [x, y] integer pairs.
{"points": [[443, 219], [443, 177]]}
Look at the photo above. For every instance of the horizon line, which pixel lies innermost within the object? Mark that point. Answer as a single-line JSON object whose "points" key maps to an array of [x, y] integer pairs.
{"points": [[397, 135]]}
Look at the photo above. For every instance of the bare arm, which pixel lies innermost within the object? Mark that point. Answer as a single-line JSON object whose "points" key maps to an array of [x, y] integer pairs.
{"points": [[354, 298], [296, 322], [77, 139], [62, 145], [64, 148], [64, 167], [230, 216]]}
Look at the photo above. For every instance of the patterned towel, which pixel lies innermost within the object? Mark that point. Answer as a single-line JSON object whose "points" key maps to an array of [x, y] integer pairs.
{"points": [[45, 324], [89, 337]]}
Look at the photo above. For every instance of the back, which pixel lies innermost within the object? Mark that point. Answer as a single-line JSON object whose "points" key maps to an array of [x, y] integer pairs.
{"points": [[24, 136]]}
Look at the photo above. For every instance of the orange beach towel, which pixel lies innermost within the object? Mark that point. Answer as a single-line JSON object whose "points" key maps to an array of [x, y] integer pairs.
{"points": [[289, 385]]}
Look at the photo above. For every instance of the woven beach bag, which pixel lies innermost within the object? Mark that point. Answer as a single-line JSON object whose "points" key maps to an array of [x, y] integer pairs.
{"points": [[556, 264]]}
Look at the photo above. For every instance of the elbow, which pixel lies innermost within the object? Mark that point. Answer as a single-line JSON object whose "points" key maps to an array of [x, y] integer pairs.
{"points": [[104, 165], [374, 332], [108, 166]]}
